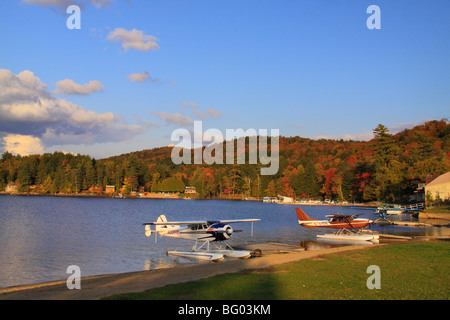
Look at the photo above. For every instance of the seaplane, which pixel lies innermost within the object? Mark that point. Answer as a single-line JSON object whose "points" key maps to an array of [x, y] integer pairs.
{"points": [[209, 237], [344, 223]]}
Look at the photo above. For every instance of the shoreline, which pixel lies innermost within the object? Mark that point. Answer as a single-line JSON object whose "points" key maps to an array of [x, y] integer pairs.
{"points": [[176, 197], [96, 287]]}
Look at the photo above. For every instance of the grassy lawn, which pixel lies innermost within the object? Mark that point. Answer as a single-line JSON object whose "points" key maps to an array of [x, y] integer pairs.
{"points": [[413, 270]]}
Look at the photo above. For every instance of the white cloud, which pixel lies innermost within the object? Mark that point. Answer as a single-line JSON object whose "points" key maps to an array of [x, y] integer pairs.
{"points": [[140, 77], [195, 110], [402, 126], [47, 3], [213, 112], [23, 145], [28, 109], [363, 136], [63, 4], [68, 86], [133, 39], [368, 135], [174, 118], [101, 3]]}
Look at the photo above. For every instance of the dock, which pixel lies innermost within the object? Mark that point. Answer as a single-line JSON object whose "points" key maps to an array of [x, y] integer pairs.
{"points": [[402, 223]]}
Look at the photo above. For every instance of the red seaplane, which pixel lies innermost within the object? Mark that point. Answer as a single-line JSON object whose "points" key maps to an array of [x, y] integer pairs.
{"points": [[338, 221]]}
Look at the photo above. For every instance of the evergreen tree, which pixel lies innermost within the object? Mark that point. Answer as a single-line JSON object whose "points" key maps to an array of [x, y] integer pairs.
{"points": [[24, 176]]}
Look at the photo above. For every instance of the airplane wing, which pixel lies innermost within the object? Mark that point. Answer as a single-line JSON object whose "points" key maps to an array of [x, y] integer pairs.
{"points": [[175, 223], [241, 220], [198, 222], [342, 215]]}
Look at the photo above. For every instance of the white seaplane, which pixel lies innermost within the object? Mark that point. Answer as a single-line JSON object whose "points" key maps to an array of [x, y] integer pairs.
{"points": [[204, 233]]}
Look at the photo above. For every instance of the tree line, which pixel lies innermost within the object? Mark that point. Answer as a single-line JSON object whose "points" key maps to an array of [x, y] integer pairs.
{"points": [[386, 168]]}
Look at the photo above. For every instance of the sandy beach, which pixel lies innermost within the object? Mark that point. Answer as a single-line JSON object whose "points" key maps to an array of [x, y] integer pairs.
{"points": [[93, 288]]}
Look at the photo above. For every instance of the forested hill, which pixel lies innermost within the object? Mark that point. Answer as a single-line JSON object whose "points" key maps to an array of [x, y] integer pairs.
{"points": [[387, 168]]}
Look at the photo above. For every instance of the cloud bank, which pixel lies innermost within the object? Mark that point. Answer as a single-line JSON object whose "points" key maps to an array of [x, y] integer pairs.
{"points": [[31, 117], [23, 145]]}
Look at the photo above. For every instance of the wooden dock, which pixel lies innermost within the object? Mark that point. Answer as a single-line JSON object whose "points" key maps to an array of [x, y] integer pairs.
{"points": [[402, 223], [391, 236]]}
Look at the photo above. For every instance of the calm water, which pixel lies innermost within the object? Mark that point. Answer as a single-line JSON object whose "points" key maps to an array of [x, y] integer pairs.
{"points": [[41, 236]]}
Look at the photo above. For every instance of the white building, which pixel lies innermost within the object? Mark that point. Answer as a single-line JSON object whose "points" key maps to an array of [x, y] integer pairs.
{"points": [[439, 188]]}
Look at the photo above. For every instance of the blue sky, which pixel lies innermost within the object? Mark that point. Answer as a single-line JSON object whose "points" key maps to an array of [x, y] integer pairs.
{"points": [[138, 70]]}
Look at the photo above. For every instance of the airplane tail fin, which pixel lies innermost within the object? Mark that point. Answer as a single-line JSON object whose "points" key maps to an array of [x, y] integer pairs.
{"points": [[301, 215], [160, 227]]}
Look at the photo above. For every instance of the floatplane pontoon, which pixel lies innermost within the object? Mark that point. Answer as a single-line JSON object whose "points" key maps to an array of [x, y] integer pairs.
{"points": [[345, 223], [208, 237]]}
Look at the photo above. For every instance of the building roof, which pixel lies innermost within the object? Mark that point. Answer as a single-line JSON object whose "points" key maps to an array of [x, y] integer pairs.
{"points": [[443, 178]]}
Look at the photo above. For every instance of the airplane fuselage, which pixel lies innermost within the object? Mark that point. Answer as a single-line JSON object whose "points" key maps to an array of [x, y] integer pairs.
{"points": [[203, 232], [355, 224], [336, 222]]}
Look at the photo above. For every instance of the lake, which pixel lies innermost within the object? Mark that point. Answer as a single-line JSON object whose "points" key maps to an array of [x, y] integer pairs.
{"points": [[41, 236]]}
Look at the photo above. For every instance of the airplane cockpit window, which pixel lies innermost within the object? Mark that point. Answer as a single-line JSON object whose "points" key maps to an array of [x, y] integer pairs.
{"points": [[199, 227]]}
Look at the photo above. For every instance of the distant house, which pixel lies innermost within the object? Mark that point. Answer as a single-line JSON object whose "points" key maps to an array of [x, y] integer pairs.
{"points": [[190, 190], [11, 187], [439, 188], [284, 199], [110, 189]]}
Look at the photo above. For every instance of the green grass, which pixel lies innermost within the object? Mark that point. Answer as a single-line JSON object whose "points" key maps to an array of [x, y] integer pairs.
{"points": [[414, 270]]}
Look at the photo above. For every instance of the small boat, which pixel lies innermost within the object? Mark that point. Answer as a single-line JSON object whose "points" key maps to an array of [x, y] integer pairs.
{"points": [[394, 211], [206, 256], [390, 209]]}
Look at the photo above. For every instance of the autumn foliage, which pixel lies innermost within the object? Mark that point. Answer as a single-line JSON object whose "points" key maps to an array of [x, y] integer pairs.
{"points": [[386, 168]]}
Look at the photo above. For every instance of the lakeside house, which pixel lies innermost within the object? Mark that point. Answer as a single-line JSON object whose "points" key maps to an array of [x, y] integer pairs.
{"points": [[110, 189], [12, 188], [190, 190], [284, 199], [439, 188]]}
